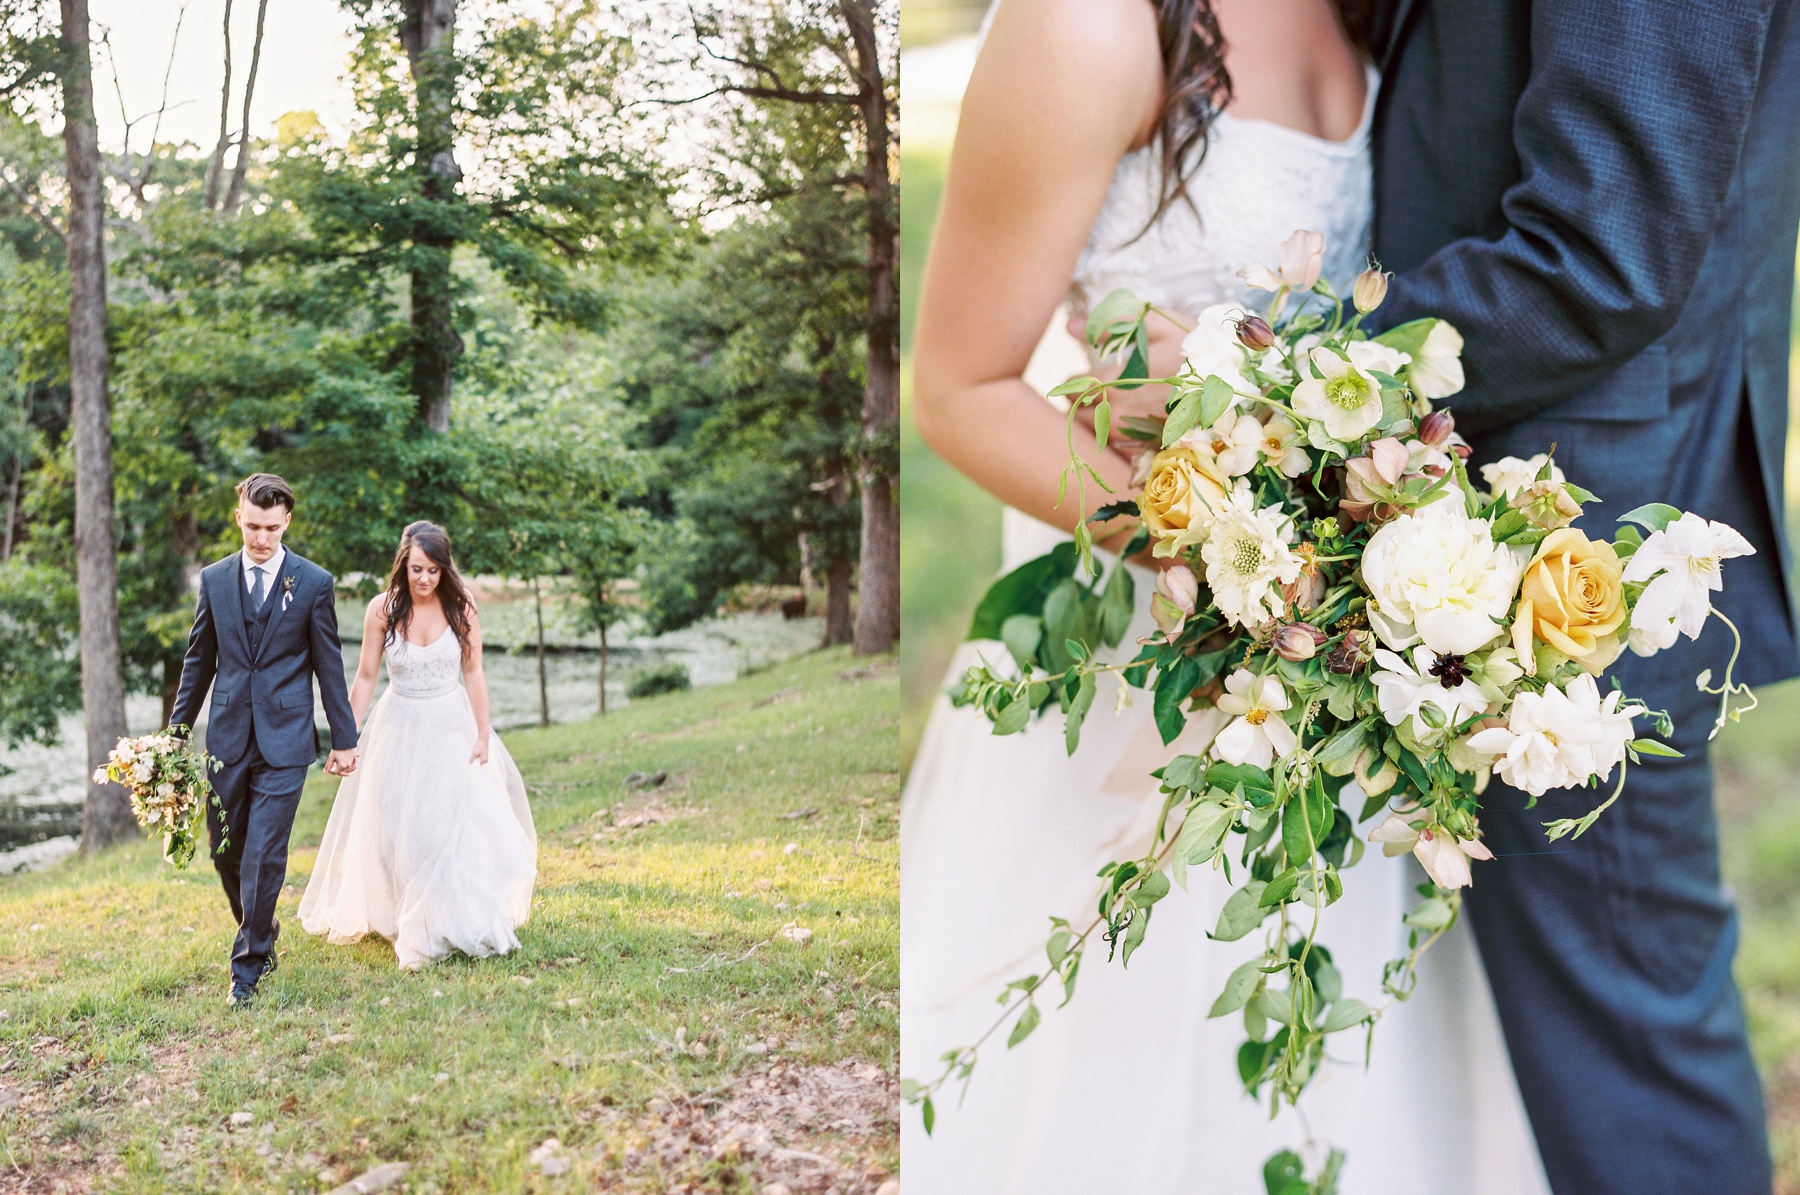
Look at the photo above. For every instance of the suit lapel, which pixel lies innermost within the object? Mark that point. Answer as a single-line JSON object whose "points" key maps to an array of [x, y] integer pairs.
{"points": [[290, 574], [234, 602]]}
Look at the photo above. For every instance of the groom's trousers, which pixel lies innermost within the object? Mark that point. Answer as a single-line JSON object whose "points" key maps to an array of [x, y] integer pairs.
{"points": [[1610, 955], [259, 802]]}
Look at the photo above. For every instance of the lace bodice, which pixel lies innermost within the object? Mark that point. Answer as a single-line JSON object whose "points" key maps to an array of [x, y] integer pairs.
{"points": [[1256, 183], [415, 671]]}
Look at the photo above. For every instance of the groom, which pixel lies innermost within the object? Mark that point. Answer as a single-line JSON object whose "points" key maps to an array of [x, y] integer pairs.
{"points": [[1602, 196], [266, 626]]}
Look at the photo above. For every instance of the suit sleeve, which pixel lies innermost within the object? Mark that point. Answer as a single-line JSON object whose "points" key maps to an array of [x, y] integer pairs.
{"points": [[1628, 131], [198, 666], [328, 666]]}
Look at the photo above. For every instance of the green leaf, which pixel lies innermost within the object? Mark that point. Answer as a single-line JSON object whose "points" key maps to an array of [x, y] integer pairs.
{"points": [[1345, 1013], [1239, 987], [1653, 516], [1116, 308], [1431, 915], [1116, 602], [1408, 337], [1241, 913], [1022, 591], [1073, 386], [1078, 710], [1102, 422], [1173, 684], [1013, 716], [1281, 1171], [1057, 948], [1203, 831], [928, 1114], [1279, 889], [1228, 776], [1028, 1020], [1022, 633], [1296, 831], [1652, 747], [1185, 415], [1216, 395]]}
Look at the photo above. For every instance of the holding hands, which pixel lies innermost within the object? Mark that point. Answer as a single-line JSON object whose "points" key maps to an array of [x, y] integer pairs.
{"points": [[341, 763]]}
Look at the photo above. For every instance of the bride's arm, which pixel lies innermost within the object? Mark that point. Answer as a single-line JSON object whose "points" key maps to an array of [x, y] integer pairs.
{"points": [[1062, 89], [475, 680], [368, 663]]}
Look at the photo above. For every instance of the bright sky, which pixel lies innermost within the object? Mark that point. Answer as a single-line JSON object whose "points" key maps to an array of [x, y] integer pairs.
{"points": [[305, 45]]}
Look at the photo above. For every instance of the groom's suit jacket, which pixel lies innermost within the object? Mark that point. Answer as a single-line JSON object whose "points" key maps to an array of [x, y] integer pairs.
{"points": [[261, 668], [1602, 195]]}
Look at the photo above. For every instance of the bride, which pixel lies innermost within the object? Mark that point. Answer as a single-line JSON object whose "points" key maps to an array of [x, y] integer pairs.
{"points": [[430, 843], [1159, 145]]}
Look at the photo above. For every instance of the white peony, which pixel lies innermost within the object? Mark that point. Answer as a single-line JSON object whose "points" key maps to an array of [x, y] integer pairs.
{"points": [[1212, 348], [1508, 475], [1437, 576], [1343, 397], [1403, 691], [1257, 734], [1558, 738], [1683, 563], [1248, 560], [1437, 370]]}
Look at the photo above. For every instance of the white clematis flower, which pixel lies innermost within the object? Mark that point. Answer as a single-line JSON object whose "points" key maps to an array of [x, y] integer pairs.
{"points": [[1508, 475], [1282, 449], [1558, 738], [1445, 858], [1684, 559], [1257, 734], [1248, 560], [1436, 575], [1234, 442], [1403, 691], [1437, 371], [1213, 348], [1344, 398]]}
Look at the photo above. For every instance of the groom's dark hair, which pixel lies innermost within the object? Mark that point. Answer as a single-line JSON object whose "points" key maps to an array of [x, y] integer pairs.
{"points": [[266, 490]]}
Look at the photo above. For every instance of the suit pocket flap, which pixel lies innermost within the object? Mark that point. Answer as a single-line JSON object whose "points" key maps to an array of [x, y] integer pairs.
{"points": [[1637, 391], [219, 698], [294, 699]]}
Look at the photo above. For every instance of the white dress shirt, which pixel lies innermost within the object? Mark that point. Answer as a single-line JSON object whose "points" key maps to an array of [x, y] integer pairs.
{"points": [[271, 570]]}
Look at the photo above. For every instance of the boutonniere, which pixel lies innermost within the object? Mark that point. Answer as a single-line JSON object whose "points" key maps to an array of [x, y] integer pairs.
{"points": [[287, 591]]}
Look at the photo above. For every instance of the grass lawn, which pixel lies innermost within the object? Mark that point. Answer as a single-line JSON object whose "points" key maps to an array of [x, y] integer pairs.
{"points": [[657, 1024]]}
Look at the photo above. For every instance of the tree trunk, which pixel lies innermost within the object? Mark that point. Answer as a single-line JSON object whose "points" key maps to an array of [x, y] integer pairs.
{"points": [[215, 169], [185, 539], [235, 195], [428, 32], [878, 605], [603, 665], [807, 580], [537, 591], [15, 469], [837, 602], [106, 818]]}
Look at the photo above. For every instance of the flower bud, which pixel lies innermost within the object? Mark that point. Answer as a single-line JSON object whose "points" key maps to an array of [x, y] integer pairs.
{"points": [[1436, 428], [1179, 584], [1255, 334], [1370, 289], [1547, 504], [1356, 649], [1298, 641], [1304, 592]]}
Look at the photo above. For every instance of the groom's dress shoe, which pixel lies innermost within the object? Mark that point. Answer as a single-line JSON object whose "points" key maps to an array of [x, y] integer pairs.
{"points": [[241, 996], [269, 965]]}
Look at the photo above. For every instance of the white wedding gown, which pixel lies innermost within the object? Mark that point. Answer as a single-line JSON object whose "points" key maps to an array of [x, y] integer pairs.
{"points": [[424, 847], [1131, 1087]]}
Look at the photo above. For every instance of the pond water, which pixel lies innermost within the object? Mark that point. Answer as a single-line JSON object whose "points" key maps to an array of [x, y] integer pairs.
{"points": [[37, 780]]}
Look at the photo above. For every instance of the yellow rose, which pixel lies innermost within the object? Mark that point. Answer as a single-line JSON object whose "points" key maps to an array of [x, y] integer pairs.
{"points": [[1177, 494], [1570, 600]]}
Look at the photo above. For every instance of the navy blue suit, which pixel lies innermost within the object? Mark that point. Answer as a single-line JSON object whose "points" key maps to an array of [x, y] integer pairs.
{"points": [[1602, 196], [260, 665]]}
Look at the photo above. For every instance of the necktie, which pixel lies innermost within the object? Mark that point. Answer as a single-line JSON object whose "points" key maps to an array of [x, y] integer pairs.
{"points": [[261, 591]]}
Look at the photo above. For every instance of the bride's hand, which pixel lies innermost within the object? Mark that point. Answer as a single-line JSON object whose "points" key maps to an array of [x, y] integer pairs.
{"points": [[480, 754], [1166, 336]]}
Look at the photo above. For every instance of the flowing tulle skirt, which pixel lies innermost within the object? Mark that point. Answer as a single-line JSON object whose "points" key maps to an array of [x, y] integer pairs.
{"points": [[424, 847]]}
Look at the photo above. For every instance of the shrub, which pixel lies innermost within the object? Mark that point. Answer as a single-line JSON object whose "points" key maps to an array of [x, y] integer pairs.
{"points": [[659, 678]]}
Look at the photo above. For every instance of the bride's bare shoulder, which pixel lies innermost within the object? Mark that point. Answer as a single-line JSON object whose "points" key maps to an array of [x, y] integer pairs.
{"points": [[1087, 64]]}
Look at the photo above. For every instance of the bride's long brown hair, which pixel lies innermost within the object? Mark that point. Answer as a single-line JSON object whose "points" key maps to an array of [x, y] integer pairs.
{"points": [[434, 541], [1196, 85]]}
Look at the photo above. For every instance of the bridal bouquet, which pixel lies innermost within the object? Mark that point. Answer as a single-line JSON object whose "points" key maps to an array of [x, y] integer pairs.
{"points": [[167, 780], [1344, 602]]}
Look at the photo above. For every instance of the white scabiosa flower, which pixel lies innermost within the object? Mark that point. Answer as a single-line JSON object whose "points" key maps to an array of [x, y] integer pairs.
{"points": [[1248, 560], [1404, 689], [1509, 475], [1560, 737], [1437, 576], [1344, 398], [1257, 734], [1683, 563]]}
